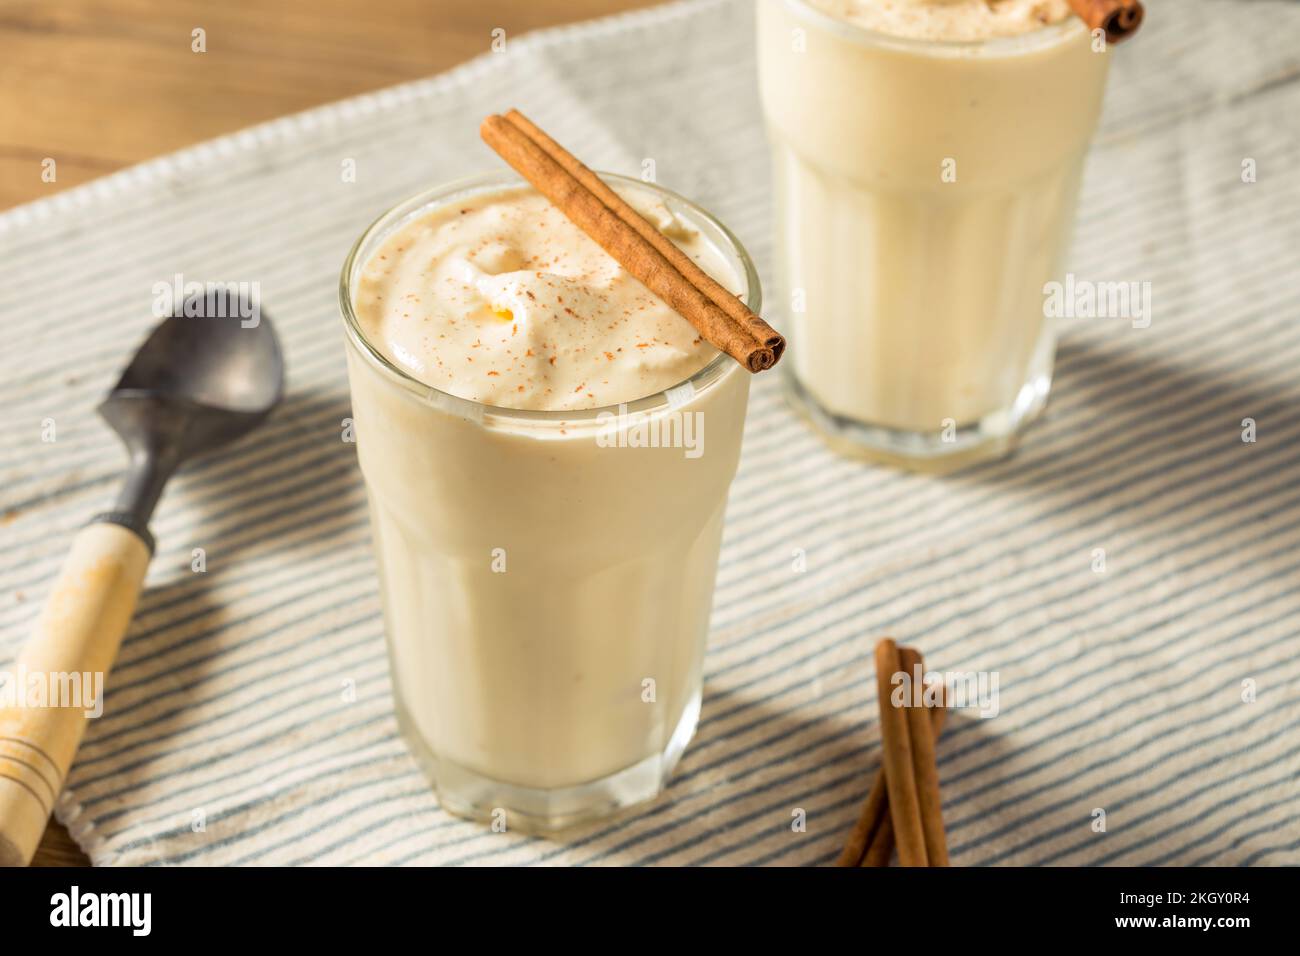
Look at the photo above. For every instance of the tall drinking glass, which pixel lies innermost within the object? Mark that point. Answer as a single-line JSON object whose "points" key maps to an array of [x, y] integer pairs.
{"points": [[547, 576]]}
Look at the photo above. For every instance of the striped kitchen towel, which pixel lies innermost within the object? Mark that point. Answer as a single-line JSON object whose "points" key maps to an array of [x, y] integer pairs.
{"points": [[1132, 575]]}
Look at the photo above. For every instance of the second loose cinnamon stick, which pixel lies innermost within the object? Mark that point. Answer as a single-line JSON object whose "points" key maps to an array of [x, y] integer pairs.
{"points": [[900, 774], [880, 845], [925, 765]]}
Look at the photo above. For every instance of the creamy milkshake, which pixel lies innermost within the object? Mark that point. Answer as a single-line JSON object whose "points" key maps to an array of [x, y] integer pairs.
{"points": [[927, 157], [547, 448]]}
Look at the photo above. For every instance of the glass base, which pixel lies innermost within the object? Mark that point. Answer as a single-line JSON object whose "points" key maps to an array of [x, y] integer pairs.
{"points": [[993, 436], [474, 796]]}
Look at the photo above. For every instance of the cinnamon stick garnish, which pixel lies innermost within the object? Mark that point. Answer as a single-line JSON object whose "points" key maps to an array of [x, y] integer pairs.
{"points": [[1119, 18], [871, 843], [897, 756], [722, 319], [925, 764]]}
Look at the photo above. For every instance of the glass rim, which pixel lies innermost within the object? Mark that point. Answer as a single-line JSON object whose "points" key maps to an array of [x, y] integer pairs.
{"points": [[1041, 38], [401, 213]]}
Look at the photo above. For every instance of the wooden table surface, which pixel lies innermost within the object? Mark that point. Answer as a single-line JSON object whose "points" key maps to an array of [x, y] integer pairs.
{"points": [[97, 85]]}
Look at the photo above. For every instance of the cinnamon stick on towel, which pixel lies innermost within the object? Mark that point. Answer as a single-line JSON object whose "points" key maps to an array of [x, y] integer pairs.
{"points": [[1119, 18], [596, 209], [925, 764], [881, 843], [897, 757], [875, 812], [872, 841]]}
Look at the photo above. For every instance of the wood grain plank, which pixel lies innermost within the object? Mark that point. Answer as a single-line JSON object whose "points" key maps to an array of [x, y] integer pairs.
{"points": [[100, 84]]}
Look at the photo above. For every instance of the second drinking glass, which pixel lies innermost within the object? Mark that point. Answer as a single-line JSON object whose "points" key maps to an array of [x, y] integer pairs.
{"points": [[925, 193]]}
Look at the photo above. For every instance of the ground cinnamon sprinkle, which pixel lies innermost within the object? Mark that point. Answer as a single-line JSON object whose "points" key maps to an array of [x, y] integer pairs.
{"points": [[482, 299]]}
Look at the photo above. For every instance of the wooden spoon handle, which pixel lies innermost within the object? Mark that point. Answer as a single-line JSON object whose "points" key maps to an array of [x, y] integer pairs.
{"points": [[76, 641]]}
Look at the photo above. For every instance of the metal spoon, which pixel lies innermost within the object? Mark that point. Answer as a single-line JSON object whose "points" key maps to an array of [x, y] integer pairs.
{"points": [[204, 377]]}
